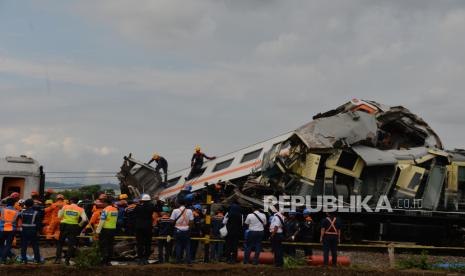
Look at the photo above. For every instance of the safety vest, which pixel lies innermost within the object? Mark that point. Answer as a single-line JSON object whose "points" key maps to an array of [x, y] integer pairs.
{"points": [[8, 217], [71, 214], [331, 230], [110, 217]]}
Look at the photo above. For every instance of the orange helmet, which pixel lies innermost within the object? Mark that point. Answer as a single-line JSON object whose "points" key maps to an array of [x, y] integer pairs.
{"points": [[50, 191], [60, 196], [34, 193]]}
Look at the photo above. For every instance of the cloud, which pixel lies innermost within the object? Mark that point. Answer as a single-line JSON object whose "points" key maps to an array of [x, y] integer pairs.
{"points": [[224, 74]]}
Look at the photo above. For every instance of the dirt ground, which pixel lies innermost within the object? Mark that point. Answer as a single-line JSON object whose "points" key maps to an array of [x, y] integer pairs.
{"points": [[362, 263], [199, 269]]}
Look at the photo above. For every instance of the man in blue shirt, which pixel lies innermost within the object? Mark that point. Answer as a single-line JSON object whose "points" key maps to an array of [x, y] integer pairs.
{"points": [[31, 225], [330, 236]]}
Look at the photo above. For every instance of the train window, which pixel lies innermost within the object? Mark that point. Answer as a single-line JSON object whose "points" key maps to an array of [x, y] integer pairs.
{"points": [[251, 155], [223, 165], [461, 174], [347, 160], [173, 182]]}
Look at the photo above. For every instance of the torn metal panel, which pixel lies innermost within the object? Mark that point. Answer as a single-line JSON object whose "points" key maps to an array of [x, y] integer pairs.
{"points": [[433, 189], [341, 129], [374, 157]]}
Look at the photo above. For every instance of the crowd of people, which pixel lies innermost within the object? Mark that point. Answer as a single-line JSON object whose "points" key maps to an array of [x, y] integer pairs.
{"points": [[177, 226]]}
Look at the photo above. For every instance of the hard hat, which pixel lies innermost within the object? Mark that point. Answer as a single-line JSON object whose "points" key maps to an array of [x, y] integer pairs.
{"points": [[21, 201], [49, 201], [60, 196], [145, 197], [197, 148], [155, 156], [189, 197], [165, 209], [307, 212], [123, 196], [198, 206], [34, 193], [50, 191], [14, 195]]}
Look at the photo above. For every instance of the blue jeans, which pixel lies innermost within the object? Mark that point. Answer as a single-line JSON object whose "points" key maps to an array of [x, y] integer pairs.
{"points": [[217, 250], [183, 245], [254, 240], [29, 236], [6, 240]]}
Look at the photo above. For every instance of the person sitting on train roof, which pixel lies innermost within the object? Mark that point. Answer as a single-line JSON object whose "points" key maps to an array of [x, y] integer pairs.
{"points": [[197, 162], [162, 164]]}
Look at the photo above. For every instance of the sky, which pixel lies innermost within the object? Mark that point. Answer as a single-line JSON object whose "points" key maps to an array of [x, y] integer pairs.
{"points": [[83, 83]]}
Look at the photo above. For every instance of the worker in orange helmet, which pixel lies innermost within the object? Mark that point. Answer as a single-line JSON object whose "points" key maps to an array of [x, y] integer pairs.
{"points": [[15, 196], [197, 162], [96, 214], [53, 230], [47, 215]]}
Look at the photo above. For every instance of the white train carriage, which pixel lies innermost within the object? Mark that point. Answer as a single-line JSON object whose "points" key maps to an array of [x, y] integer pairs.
{"points": [[228, 167], [22, 174]]}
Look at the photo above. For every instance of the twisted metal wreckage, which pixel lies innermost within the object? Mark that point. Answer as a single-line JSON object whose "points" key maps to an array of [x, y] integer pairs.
{"points": [[360, 148]]}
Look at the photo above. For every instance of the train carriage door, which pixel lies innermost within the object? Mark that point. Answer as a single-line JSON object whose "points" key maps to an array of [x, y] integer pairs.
{"points": [[13, 184]]}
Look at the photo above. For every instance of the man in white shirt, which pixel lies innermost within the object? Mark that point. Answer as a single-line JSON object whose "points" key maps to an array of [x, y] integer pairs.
{"points": [[256, 222], [277, 237], [183, 219]]}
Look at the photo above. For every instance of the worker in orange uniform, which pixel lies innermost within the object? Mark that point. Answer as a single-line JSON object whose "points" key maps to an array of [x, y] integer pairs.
{"points": [[106, 230], [53, 230], [96, 213], [47, 215], [9, 217], [70, 226]]}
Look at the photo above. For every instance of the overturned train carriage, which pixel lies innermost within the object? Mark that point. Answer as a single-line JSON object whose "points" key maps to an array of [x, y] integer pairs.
{"points": [[366, 149], [361, 148]]}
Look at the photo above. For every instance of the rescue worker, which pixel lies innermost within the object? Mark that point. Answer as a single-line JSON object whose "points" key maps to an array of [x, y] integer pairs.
{"points": [[121, 205], [36, 198], [106, 230], [9, 217], [166, 227], [47, 216], [143, 228], [162, 164], [53, 230], [196, 230], [330, 236], [256, 222], [31, 226], [197, 162], [183, 219], [16, 196], [70, 226], [277, 236], [130, 218], [96, 214], [217, 247], [305, 233]]}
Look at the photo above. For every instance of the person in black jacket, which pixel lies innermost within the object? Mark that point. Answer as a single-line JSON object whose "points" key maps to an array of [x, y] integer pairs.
{"points": [[31, 224], [306, 231], [162, 164], [165, 228], [233, 221], [143, 228], [197, 162]]}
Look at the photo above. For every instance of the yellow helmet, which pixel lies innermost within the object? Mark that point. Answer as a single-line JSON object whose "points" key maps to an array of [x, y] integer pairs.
{"points": [[49, 201], [155, 156], [123, 196], [197, 148]]}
